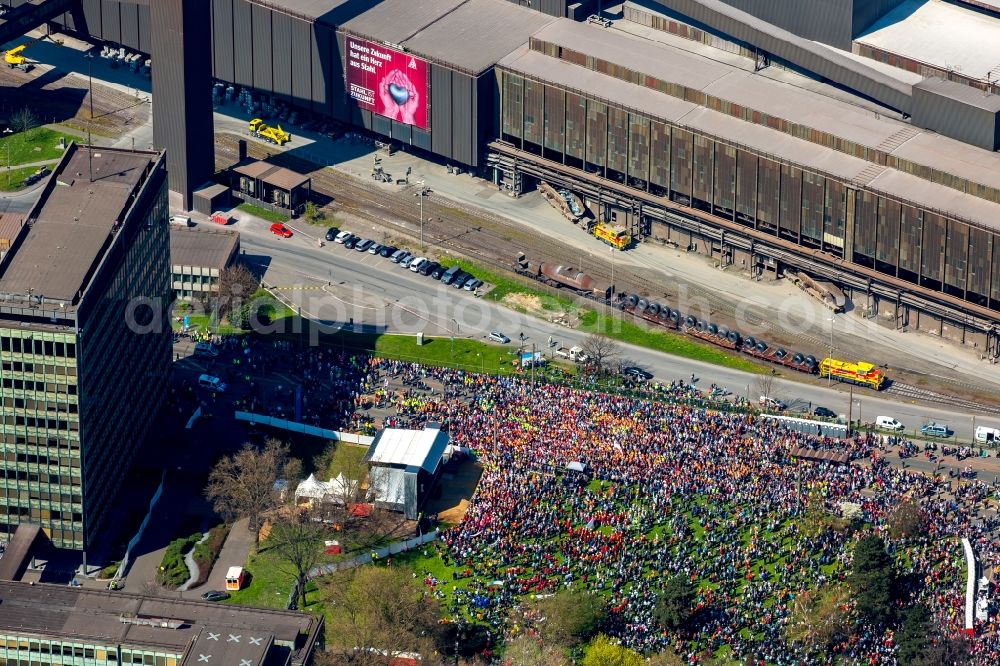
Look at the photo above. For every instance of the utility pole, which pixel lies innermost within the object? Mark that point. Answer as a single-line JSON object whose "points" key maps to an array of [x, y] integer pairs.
{"points": [[850, 411], [829, 375]]}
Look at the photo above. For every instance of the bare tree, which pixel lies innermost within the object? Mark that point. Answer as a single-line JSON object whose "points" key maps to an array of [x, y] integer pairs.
{"points": [[242, 485], [237, 285], [298, 542], [23, 121], [379, 610], [528, 650], [765, 385], [603, 353]]}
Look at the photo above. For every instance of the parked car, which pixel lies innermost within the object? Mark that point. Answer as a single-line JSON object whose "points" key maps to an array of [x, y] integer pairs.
{"points": [[278, 229], [375, 248], [363, 245], [342, 237], [473, 284], [351, 242], [212, 383], [438, 272], [889, 423], [429, 268], [419, 263], [933, 429], [206, 350], [387, 251], [215, 595], [460, 279], [449, 275], [497, 336], [825, 413], [332, 233], [768, 402], [637, 373], [407, 260]]}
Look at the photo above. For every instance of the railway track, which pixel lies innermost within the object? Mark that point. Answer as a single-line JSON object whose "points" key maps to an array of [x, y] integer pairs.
{"points": [[494, 241]]}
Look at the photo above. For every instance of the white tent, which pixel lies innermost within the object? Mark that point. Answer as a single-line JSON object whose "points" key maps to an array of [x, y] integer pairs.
{"points": [[313, 490]]}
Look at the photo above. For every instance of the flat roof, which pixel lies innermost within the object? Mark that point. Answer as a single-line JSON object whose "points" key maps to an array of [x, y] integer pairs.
{"points": [[942, 34], [73, 223], [95, 615], [395, 21], [409, 448], [209, 248], [477, 33]]}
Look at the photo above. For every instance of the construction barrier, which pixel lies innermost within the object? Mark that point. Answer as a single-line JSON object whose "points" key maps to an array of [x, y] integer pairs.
{"points": [[970, 586]]}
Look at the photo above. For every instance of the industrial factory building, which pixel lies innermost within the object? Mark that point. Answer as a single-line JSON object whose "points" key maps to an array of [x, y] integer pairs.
{"points": [[826, 139]]}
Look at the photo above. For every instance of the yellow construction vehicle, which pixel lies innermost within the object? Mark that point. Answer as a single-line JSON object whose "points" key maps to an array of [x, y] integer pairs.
{"points": [[15, 58], [614, 235], [262, 130]]}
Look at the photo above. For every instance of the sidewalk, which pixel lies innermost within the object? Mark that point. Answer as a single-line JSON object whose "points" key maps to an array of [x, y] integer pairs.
{"points": [[234, 552]]}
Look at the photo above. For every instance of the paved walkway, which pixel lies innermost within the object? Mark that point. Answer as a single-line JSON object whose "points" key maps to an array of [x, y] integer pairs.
{"points": [[193, 571], [234, 552]]}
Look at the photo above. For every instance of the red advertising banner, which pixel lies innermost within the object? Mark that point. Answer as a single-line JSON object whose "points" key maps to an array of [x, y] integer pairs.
{"points": [[390, 83]]}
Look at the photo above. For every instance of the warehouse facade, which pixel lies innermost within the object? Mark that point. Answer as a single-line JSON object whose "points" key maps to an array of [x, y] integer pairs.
{"points": [[696, 156]]}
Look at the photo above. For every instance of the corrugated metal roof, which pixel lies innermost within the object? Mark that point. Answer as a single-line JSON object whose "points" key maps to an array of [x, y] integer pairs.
{"points": [[597, 85], [409, 448], [941, 34], [477, 33], [961, 92], [74, 223], [395, 21], [277, 176], [777, 144]]}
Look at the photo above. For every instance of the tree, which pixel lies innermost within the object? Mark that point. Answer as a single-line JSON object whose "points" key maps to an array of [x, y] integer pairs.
{"points": [[765, 385], [23, 121], [298, 543], [242, 485], [907, 520], [378, 609], [603, 652], [313, 214], [528, 650], [237, 285], [820, 618], [340, 460], [570, 617], [602, 353], [676, 602], [291, 472], [871, 580], [914, 636], [666, 658]]}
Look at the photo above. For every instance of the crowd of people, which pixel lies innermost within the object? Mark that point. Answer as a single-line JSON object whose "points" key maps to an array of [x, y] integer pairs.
{"points": [[615, 492]]}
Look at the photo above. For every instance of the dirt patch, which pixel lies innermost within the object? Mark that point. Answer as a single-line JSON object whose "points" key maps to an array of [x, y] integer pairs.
{"points": [[456, 493], [531, 304]]}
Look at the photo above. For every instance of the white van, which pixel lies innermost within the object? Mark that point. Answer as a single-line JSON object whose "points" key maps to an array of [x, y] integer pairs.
{"points": [[212, 383], [180, 221], [986, 435], [889, 423]]}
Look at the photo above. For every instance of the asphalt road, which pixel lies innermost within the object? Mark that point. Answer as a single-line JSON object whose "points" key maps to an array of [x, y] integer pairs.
{"points": [[335, 286]]}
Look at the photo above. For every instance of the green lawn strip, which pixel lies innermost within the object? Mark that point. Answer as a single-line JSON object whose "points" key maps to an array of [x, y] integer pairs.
{"points": [[355, 453], [271, 580], [592, 321], [14, 178], [35, 145], [263, 213]]}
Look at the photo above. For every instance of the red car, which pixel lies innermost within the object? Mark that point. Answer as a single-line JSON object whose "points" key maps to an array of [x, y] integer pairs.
{"points": [[281, 230]]}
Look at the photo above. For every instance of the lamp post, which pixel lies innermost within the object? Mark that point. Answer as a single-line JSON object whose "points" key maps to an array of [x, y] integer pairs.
{"points": [[7, 132], [829, 375]]}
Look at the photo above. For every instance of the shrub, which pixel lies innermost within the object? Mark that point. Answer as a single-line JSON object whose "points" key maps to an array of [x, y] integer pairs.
{"points": [[207, 552], [173, 571]]}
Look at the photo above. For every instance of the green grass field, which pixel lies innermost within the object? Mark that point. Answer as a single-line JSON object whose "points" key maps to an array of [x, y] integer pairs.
{"points": [[592, 321], [13, 180], [35, 145], [263, 213]]}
